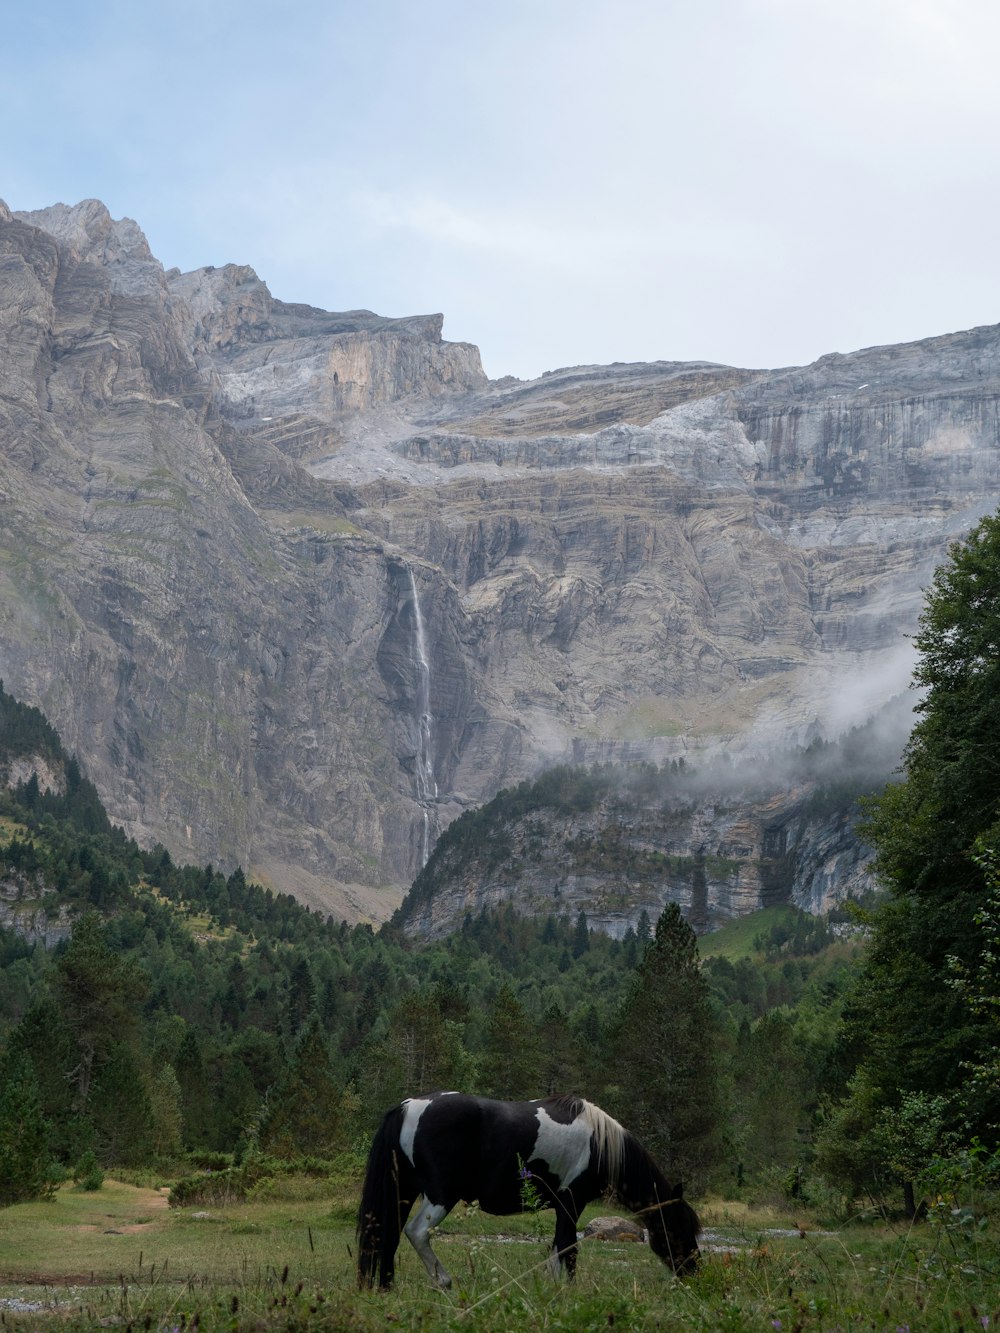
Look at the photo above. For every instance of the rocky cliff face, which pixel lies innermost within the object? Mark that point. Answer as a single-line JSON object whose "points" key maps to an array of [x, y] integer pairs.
{"points": [[298, 587], [721, 857], [614, 842]]}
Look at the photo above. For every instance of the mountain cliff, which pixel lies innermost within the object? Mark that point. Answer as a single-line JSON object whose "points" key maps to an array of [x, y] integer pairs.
{"points": [[614, 842], [300, 587]]}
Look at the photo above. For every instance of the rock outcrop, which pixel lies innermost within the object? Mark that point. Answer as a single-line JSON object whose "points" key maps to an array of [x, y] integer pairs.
{"points": [[225, 518]]}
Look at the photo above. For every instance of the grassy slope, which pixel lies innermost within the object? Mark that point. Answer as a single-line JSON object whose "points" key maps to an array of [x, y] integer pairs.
{"points": [[735, 939]]}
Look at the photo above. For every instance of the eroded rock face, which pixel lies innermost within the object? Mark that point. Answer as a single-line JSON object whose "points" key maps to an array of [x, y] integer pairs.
{"points": [[724, 855], [217, 507]]}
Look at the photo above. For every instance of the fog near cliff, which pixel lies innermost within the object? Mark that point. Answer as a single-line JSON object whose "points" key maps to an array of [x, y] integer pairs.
{"points": [[856, 739], [860, 758], [861, 696]]}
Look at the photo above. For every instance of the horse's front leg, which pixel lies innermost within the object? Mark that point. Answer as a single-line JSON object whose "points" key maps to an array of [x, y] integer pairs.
{"points": [[563, 1257], [417, 1232]]}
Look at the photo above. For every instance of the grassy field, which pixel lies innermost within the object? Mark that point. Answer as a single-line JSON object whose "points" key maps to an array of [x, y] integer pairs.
{"points": [[120, 1257]]}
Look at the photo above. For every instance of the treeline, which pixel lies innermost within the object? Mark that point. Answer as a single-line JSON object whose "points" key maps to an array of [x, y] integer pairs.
{"points": [[193, 1012], [25, 731]]}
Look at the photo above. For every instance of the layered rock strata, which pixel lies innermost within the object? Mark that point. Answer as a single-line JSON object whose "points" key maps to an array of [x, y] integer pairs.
{"points": [[216, 506]]}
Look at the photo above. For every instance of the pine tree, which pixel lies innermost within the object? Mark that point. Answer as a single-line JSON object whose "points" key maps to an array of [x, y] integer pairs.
{"points": [[120, 1111], [99, 994], [45, 1041], [165, 1107], [301, 994], [24, 1147], [909, 1025], [662, 1053], [301, 1115], [581, 936], [510, 1060], [770, 1087], [559, 1067], [194, 1092]]}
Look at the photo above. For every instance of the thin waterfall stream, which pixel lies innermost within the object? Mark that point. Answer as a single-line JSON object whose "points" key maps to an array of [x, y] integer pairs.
{"points": [[427, 789]]}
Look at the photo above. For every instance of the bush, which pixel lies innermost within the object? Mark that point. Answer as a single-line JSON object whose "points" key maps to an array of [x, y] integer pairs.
{"points": [[215, 1188], [206, 1160], [258, 1176], [88, 1173]]}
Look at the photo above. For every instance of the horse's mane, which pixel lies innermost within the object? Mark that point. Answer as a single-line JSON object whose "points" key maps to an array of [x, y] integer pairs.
{"points": [[608, 1135]]}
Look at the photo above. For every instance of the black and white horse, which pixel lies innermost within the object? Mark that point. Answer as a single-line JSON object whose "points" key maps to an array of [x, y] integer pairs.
{"points": [[558, 1152]]}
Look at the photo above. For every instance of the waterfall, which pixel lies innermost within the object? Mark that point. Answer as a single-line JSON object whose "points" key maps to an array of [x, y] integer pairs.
{"points": [[426, 784]]}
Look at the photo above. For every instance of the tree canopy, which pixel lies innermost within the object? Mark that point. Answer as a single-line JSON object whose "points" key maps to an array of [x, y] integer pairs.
{"points": [[910, 1026]]}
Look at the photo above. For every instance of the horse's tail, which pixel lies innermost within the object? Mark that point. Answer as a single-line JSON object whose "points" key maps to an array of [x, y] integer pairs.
{"points": [[380, 1215]]}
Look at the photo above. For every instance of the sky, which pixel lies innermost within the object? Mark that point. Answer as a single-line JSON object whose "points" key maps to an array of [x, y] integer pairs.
{"points": [[753, 182]]}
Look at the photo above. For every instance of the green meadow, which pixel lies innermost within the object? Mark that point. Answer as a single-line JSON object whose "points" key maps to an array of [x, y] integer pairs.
{"points": [[120, 1257]]}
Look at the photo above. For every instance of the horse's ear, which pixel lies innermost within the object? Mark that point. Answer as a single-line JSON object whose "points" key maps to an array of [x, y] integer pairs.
{"points": [[679, 1190]]}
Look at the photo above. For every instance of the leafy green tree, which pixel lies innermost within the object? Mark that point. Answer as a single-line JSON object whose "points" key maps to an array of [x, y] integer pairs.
{"points": [[849, 1153], [662, 1053], [979, 984], [772, 1089], [88, 1173]]}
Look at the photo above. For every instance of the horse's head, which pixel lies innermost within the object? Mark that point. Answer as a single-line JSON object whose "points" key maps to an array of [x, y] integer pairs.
{"points": [[673, 1232]]}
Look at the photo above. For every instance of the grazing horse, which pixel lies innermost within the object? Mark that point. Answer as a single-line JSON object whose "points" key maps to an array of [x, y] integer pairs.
{"points": [[558, 1152]]}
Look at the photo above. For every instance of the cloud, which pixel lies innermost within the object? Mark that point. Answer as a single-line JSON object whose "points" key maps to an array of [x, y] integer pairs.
{"points": [[562, 243]]}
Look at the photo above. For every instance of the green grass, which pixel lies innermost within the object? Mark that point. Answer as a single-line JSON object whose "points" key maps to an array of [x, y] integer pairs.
{"points": [[120, 1257], [11, 828], [735, 939]]}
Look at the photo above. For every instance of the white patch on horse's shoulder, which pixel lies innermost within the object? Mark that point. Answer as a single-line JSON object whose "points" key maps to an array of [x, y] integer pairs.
{"points": [[565, 1149], [415, 1107]]}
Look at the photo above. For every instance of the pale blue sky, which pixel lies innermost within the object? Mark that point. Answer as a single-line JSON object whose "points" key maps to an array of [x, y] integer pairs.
{"points": [[749, 181]]}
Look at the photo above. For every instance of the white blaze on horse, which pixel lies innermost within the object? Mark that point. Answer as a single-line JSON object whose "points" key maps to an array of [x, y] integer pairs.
{"points": [[557, 1152]]}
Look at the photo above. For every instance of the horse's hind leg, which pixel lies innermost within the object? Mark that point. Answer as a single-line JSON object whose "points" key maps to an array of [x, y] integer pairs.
{"points": [[417, 1232]]}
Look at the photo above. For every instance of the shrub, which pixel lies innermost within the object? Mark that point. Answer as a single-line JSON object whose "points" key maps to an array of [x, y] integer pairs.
{"points": [[88, 1173]]}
